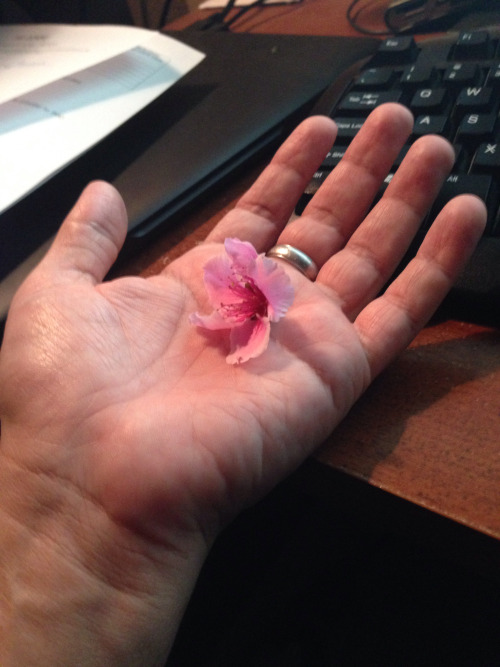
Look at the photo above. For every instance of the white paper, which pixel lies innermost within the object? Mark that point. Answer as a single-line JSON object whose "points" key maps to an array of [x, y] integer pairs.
{"points": [[34, 55], [45, 129]]}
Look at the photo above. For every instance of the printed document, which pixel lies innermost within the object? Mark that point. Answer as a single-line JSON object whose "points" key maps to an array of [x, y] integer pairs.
{"points": [[64, 88]]}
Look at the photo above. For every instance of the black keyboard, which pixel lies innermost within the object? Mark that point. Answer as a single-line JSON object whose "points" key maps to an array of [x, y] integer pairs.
{"points": [[452, 86]]}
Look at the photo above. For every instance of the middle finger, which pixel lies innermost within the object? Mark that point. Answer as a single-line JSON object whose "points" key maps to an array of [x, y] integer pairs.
{"points": [[344, 198]]}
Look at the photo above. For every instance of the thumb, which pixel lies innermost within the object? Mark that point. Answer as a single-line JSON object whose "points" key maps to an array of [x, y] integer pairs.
{"points": [[91, 236]]}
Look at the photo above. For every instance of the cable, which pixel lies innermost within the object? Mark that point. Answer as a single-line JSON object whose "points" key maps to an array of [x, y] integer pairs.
{"points": [[353, 19], [214, 21], [218, 22], [229, 5], [244, 10]]}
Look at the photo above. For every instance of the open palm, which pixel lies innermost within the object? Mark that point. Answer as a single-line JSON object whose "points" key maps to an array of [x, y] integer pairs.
{"points": [[149, 399], [136, 408]]}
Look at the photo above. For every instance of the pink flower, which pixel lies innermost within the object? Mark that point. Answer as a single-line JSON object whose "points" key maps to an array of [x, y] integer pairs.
{"points": [[248, 291]]}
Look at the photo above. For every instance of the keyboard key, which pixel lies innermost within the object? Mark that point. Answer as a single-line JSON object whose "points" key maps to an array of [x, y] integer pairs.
{"points": [[483, 186], [418, 75], [355, 102], [476, 127], [375, 77], [313, 186], [396, 49], [473, 45], [463, 74], [333, 157], [474, 98], [493, 78], [429, 99], [347, 128], [431, 124], [487, 159]]}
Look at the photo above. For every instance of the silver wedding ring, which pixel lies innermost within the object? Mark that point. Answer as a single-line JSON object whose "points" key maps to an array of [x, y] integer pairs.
{"points": [[296, 258]]}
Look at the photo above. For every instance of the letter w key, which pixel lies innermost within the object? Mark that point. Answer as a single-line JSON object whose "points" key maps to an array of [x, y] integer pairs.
{"points": [[474, 98]]}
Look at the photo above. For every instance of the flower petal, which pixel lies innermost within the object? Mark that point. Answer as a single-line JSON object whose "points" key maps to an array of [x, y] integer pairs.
{"points": [[248, 340], [213, 321], [242, 254], [275, 285], [218, 276]]}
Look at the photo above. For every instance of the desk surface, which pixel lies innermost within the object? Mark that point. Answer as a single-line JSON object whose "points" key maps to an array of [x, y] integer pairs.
{"points": [[428, 430]]}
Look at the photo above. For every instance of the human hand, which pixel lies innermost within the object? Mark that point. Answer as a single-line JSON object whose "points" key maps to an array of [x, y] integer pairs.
{"points": [[131, 437]]}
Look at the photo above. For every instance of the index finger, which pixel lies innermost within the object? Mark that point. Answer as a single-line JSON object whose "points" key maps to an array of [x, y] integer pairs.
{"points": [[264, 210]]}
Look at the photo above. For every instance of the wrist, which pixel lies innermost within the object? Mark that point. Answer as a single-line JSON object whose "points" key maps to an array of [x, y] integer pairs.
{"points": [[84, 589]]}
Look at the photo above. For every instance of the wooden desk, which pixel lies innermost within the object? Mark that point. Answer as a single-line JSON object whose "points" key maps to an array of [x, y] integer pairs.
{"points": [[308, 17], [428, 430]]}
